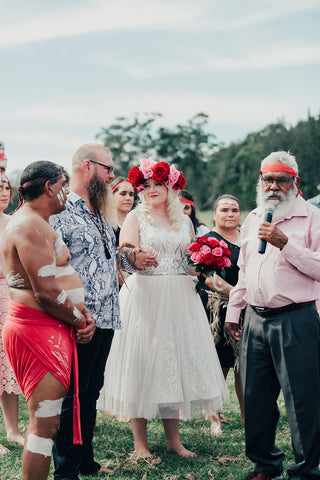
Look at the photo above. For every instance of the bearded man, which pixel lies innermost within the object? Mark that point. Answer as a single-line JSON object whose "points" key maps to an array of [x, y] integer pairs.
{"points": [[280, 344], [86, 228]]}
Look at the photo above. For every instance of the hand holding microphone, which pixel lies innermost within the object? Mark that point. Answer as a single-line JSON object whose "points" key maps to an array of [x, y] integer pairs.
{"points": [[268, 232]]}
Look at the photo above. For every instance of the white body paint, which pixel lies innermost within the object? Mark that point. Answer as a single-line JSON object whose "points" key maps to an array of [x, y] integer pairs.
{"points": [[58, 246], [77, 315], [40, 445], [62, 297], [15, 280], [49, 408], [60, 196], [76, 295], [47, 270], [64, 271]]}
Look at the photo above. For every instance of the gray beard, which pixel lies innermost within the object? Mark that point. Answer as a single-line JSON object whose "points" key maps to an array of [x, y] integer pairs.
{"points": [[282, 206]]}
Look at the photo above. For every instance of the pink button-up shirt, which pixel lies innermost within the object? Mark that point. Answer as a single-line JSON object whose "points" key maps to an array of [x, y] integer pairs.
{"points": [[278, 277]]}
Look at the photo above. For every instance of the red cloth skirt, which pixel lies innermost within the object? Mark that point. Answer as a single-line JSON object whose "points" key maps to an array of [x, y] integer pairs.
{"points": [[36, 343]]}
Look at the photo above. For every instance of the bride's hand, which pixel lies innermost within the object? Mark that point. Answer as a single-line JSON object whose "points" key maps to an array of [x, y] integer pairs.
{"points": [[146, 257]]}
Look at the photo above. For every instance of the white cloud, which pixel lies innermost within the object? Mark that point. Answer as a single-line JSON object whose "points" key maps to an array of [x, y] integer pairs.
{"points": [[23, 23]]}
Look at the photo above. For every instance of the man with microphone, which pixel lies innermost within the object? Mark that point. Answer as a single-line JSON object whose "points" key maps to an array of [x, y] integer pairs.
{"points": [[280, 346]]}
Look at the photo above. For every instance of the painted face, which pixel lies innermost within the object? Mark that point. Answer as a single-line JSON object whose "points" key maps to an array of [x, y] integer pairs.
{"points": [[156, 194], [124, 197], [62, 189], [4, 195], [227, 214]]}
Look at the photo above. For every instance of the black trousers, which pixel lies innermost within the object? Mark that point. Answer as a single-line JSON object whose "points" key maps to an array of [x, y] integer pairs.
{"points": [[70, 459], [282, 352]]}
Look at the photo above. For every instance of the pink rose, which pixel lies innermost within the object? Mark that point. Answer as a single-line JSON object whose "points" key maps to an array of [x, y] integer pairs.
{"points": [[196, 257], [223, 244], [205, 249], [217, 252], [146, 167], [173, 176], [227, 262]]}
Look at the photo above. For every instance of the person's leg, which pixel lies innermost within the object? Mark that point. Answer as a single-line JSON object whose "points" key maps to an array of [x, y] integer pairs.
{"points": [[139, 430], [44, 407], [89, 397], [296, 351], [9, 405], [237, 385], [216, 428], [171, 430], [69, 459], [261, 389]]}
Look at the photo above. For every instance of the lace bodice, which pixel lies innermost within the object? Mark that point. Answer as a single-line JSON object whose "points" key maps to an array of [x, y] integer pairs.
{"points": [[171, 246]]}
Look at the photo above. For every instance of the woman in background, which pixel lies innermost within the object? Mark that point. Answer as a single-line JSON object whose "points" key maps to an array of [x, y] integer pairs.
{"points": [[189, 209], [226, 216], [9, 388], [123, 195]]}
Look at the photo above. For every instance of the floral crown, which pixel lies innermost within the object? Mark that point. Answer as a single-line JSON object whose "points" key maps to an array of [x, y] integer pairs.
{"points": [[159, 172]]}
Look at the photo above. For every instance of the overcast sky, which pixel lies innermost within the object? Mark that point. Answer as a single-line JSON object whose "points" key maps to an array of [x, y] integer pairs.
{"points": [[69, 67]]}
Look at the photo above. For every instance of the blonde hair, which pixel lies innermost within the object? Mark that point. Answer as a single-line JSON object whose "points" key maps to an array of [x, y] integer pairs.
{"points": [[88, 151], [174, 208]]}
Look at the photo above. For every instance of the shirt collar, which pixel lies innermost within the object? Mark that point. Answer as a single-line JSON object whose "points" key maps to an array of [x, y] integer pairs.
{"points": [[74, 198]]}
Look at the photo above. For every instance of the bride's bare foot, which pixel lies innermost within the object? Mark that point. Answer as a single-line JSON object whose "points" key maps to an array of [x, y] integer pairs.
{"points": [[3, 450], [216, 429], [16, 437], [181, 451]]}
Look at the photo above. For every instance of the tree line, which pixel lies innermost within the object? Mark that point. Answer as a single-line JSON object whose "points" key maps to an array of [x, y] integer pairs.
{"points": [[210, 168]]}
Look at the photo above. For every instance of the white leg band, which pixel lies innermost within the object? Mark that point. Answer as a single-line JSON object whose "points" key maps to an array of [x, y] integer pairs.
{"points": [[49, 408], [42, 446]]}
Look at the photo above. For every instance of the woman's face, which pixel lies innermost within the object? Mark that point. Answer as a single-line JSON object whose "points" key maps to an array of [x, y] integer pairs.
{"points": [[227, 214], [187, 209], [155, 194], [124, 197], [4, 195]]}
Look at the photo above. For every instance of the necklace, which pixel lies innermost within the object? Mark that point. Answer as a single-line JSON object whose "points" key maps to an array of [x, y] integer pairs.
{"points": [[159, 213], [100, 228]]}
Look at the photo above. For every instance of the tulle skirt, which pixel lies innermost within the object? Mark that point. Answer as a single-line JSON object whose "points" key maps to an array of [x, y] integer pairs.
{"points": [[163, 362]]}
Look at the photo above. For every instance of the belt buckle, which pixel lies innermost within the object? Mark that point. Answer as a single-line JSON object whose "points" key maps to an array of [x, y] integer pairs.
{"points": [[263, 309]]}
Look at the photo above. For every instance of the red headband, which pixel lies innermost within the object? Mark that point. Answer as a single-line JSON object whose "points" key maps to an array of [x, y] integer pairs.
{"points": [[2, 155], [278, 168], [185, 200], [118, 185]]}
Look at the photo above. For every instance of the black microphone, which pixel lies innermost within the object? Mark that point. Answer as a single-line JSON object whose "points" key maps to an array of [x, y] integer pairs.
{"points": [[267, 218]]}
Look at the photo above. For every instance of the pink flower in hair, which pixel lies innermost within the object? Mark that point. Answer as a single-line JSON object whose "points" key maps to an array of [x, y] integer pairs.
{"points": [[146, 167], [196, 257], [173, 176]]}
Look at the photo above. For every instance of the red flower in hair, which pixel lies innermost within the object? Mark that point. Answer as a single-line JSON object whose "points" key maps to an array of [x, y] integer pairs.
{"points": [[161, 172], [181, 183], [135, 177]]}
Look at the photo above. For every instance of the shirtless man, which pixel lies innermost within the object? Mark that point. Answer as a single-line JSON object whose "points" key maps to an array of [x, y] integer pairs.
{"points": [[46, 311]]}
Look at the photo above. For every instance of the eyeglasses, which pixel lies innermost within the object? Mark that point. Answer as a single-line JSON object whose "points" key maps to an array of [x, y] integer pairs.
{"points": [[281, 181], [110, 169]]}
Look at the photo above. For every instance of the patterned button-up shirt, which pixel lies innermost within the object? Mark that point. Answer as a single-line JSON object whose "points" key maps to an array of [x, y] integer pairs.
{"points": [[98, 274]]}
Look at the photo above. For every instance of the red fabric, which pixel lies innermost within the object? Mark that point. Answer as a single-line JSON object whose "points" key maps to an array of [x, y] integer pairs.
{"points": [[278, 168], [185, 200], [35, 343]]}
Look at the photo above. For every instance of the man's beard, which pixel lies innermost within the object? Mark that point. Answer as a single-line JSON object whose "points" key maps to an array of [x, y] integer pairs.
{"points": [[101, 199], [282, 205]]}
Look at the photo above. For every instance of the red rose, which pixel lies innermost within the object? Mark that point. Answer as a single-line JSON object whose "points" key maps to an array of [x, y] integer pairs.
{"points": [[161, 172], [213, 242], [180, 183], [202, 240], [208, 259], [135, 177], [194, 247], [226, 252], [219, 262]]}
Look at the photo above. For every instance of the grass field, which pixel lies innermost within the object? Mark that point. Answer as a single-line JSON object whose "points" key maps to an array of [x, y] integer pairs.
{"points": [[221, 458]]}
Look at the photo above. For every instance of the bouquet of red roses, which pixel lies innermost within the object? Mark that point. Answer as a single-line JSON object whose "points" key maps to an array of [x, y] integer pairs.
{"points": [[208, 255]]}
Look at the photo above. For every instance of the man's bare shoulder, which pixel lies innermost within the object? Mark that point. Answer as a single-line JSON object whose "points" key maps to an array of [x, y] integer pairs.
{"points": [[28, 226]]}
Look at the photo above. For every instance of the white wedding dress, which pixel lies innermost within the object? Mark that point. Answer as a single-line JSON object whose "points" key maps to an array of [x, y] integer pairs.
{"points": [[163, 362]]}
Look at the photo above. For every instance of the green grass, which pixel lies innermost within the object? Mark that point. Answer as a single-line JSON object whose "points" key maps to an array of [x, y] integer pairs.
{"points": [[221, 458]]}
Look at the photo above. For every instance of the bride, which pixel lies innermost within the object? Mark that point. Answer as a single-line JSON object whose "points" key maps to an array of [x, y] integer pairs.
{"points": [[163, 362]]}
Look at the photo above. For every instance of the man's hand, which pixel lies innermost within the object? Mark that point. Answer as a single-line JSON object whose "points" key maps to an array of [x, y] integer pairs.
{"points": [[233, 329], [272, 234], [146, 257], [85, 335]]}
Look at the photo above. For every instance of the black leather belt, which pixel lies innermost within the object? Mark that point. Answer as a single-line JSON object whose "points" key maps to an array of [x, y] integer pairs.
{"points": [[268, 312]]}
